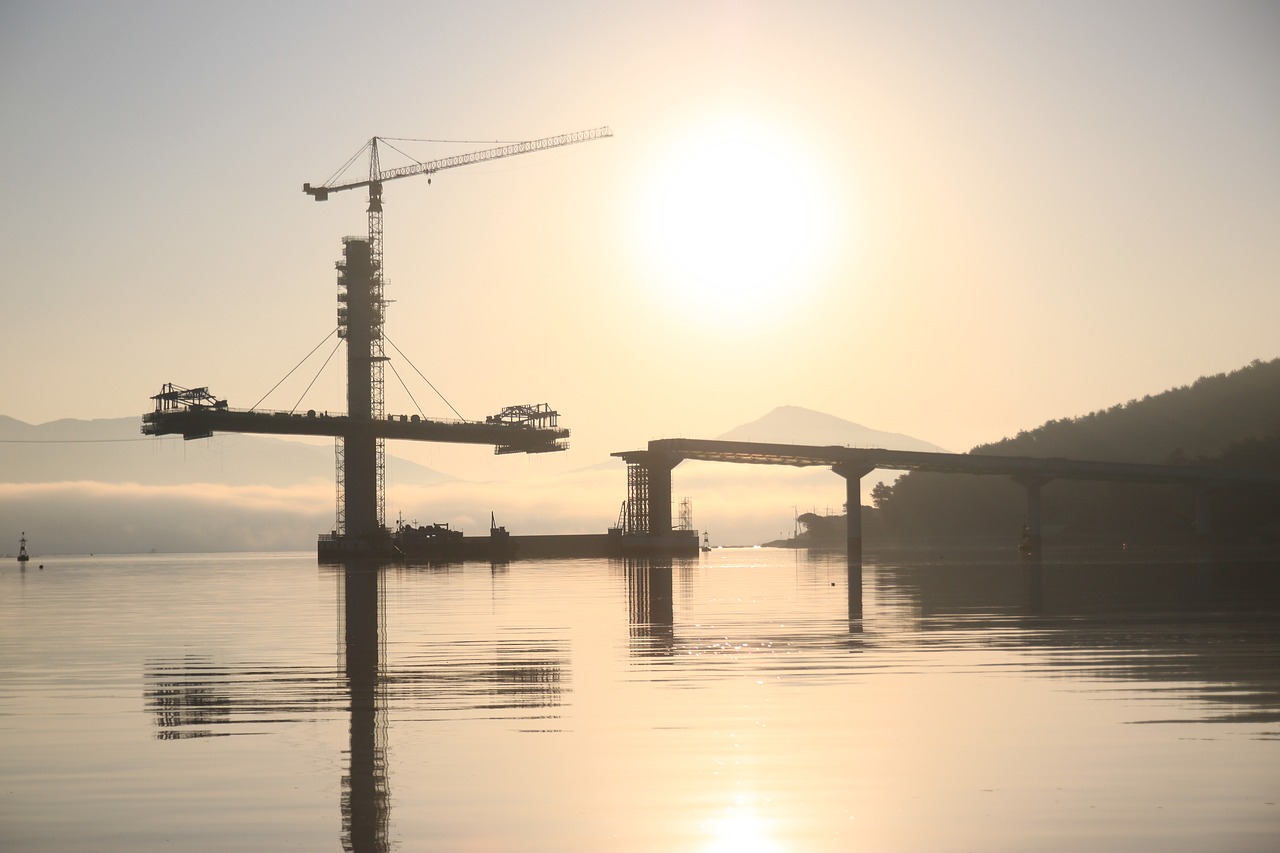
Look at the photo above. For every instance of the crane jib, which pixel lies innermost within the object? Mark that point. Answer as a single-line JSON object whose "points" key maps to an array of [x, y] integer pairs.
{"points": [[426, 168]]}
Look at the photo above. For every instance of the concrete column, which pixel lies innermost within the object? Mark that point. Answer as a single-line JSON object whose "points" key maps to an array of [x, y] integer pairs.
{"points": [[360, 464], [659, 467], [1031, 541], [853, 474], [855, 591]]}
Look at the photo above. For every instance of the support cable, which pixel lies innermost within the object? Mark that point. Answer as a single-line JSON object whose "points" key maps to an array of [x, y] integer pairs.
{"points": [[387, 140], [317, 376], [406, 389], [454, 141], [424, 379], [295, 367], [347, 165], [403, 153]]}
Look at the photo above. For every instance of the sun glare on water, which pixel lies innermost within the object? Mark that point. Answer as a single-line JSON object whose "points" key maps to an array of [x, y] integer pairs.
{"points": [[739, 829], [735, 222]]}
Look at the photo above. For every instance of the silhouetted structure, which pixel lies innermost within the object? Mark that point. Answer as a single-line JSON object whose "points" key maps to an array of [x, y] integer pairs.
{"points": [[653, 468], [360, 527]]}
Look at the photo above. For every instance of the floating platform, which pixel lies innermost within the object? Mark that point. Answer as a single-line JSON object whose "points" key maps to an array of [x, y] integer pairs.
{"points": [[439, 544]]}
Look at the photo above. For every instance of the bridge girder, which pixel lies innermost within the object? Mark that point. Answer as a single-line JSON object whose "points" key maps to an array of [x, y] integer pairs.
{"points": [[202, 422]]}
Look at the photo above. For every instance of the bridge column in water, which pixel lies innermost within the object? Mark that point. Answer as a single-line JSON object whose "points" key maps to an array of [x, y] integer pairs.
{"points": [[1031, 536], [853, 474], [659, 466]]}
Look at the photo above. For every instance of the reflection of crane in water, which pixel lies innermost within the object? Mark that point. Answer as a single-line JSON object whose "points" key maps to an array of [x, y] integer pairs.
{"points": [[194, 696], [361, 434]]}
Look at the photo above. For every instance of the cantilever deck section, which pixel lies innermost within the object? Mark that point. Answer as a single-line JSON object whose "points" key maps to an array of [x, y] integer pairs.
{"points": [[194, 413], [361, 433], [359, 529], [203, 420]]}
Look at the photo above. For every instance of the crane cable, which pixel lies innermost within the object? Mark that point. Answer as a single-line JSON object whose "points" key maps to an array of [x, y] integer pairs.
{"points": [[389, 139], [453, 141], [347, 165]]}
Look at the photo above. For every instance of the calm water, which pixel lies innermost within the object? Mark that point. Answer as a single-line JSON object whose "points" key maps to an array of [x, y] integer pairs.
{"points": [[262, 702]]}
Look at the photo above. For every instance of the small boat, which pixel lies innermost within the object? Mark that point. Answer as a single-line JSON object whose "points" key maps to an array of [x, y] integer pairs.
{"points": [[706, 541], [23, 556]]}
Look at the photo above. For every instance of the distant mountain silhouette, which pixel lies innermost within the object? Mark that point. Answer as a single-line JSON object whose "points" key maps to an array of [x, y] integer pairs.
{"points": [[114, 451], [795, 425]]}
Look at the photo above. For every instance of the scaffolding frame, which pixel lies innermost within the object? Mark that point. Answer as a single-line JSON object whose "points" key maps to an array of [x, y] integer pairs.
{"points": [[637, 507]]}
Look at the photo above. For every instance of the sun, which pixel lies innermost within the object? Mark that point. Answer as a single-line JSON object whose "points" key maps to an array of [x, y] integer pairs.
{"points": [[735, 221]]}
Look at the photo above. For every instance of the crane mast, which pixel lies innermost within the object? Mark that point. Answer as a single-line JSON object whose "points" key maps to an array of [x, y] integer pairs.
{"points": [[377, 353]]}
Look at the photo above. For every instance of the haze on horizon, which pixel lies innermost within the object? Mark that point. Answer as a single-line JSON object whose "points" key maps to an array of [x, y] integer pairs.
{"points": [[949, 221]]}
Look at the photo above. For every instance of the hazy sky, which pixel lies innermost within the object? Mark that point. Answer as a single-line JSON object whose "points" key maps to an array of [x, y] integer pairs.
{"points": [[952, 220]]}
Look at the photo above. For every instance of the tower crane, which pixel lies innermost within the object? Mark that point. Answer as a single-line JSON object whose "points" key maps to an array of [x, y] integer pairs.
{"points": [[377, 177]]}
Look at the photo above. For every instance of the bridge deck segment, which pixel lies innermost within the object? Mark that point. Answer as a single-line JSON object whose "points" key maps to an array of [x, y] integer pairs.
{"points": [[853, 463], [203, 422], [870, 458]]}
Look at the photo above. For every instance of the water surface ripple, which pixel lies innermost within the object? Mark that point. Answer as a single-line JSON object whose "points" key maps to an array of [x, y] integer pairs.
{"points": [[742, 701]]}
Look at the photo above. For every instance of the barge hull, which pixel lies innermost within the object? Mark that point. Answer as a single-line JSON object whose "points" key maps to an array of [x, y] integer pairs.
{"points": [[680, 543]]}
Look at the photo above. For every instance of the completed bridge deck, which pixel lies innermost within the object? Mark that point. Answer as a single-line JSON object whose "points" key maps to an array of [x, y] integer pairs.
{"points": [[868, 459]]}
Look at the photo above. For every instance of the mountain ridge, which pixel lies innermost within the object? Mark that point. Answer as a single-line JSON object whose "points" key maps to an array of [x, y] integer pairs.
{"points": [[798, 425]]}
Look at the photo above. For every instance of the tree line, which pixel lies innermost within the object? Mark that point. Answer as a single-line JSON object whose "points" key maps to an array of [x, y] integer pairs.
{"points": [[1231, 419]]}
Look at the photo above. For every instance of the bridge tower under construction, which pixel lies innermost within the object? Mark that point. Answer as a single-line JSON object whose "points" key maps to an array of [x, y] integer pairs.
{"points": [[361, 472]]}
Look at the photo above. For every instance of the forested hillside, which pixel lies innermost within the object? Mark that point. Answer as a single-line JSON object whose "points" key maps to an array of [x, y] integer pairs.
{"points": [[1230, 419]]}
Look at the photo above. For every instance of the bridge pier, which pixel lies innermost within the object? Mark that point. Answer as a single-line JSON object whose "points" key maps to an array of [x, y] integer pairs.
{"points": [[659, 467], [1031, 542], [648, 509], [853, 474]]}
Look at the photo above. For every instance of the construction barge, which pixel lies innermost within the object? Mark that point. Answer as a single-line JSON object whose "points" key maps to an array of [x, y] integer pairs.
{"points": [[439, 543]]}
